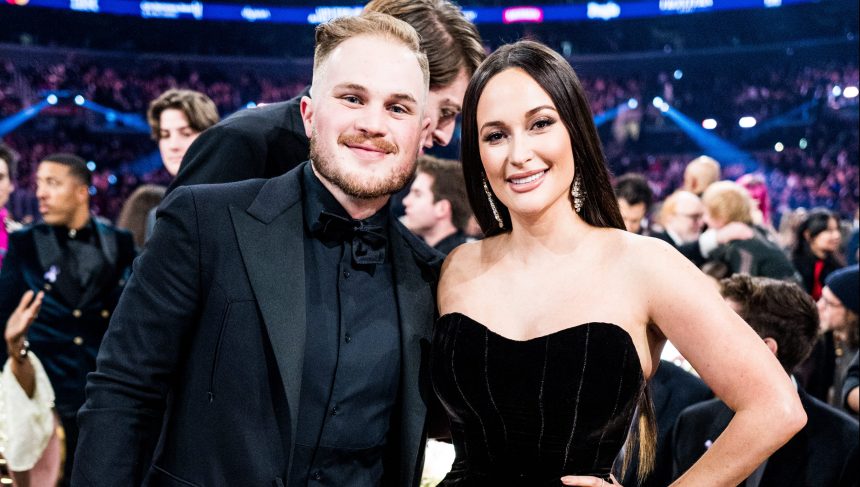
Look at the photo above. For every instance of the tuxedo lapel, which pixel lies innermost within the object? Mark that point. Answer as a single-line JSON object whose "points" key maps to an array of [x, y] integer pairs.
{"points": [[271, 243], [47, 247], [416, 309], [107, 241]]}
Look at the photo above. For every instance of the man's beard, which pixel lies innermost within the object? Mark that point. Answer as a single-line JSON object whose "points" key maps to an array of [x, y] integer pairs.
{"points": [[327, 167]]}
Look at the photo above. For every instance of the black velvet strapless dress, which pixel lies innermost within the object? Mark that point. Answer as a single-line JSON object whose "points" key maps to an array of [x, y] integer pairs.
{"points": [[526, 413]]}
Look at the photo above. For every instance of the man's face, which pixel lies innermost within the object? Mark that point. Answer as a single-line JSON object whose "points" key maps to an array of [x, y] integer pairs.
{"points": [[174, 138], [443, 106], [60, 194], [422, 212], [686, 221], [831, 311], [366, 119], [632, 215], [6, 186]]}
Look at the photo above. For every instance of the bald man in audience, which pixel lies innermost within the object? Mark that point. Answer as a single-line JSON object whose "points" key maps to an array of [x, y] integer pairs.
{"points": [[700, 173]]}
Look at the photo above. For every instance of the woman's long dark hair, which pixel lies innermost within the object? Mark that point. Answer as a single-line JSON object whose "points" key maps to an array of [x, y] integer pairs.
{"points": [[816, 222], [557, 78], [600, 207]]}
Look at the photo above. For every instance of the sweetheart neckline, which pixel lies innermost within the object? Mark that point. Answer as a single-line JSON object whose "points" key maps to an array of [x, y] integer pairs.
{"points": [[557, 332]]}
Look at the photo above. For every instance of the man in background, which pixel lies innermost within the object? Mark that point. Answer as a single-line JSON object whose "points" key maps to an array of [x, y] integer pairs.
{"points": [[825, 451], [437, 208], [700, 173], [81, 264]]}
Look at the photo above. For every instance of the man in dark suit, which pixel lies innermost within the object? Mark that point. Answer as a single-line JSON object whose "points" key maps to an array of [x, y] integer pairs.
{"points": [[825, 451], [273, 331], [81, 264], [268, 141]]}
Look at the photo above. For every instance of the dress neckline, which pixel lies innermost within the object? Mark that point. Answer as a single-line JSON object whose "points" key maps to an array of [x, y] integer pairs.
{"points": [[570, 329]]}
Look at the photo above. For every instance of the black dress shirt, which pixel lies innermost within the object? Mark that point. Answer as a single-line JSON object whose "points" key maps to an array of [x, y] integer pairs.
{"points": [[82, 264], [352, 355]]}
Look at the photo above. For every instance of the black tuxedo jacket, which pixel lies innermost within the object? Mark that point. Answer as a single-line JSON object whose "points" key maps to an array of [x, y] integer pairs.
{"points": [[690, 250], [65, 335], [201, 367], [823, 453], [672, 390], [261, 142]]}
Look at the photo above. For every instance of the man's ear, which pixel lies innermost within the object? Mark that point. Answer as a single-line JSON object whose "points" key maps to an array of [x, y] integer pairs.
{"points": [[772, 345], [442, 208], [425, 129], [307, 109], [83, 193]]}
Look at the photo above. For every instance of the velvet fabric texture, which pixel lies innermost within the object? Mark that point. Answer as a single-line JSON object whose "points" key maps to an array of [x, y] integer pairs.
{"points": [[526, 413]]}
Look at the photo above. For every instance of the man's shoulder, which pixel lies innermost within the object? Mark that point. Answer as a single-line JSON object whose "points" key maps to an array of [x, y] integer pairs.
{"points": [[259, 119], [830, 422], [422, 252]]}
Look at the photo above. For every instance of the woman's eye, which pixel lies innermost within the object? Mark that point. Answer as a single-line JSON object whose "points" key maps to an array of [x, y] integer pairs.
{"points": [[493, 137], [543, 123]]}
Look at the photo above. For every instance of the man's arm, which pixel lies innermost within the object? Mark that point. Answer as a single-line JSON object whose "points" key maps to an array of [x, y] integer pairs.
{"points": [[121, 419], [222, 154]]}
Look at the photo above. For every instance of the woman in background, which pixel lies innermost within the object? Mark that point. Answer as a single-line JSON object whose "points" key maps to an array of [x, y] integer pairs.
{"points": [[816, 249]]}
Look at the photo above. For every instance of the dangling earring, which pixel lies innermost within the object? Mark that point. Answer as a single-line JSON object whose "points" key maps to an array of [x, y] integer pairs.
{"points": [[577, 193], [492, 203]]}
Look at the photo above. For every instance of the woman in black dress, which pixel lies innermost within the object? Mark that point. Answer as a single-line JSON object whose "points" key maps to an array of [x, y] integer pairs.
{"points": [[552, 324]]}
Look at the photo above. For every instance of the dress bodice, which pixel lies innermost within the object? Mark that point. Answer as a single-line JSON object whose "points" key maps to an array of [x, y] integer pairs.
{"points": [[526, 413]]}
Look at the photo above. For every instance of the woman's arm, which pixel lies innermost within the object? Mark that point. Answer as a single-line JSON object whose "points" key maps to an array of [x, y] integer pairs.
{"points": [[731, 358]]}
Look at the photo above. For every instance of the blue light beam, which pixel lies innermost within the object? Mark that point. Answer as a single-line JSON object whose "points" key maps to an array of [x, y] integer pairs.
{"points": [[719, 149], [12, 122], [130, 120]]}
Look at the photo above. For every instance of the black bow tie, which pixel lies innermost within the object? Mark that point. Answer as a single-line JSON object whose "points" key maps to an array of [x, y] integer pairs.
{"points": [[368, 241]]}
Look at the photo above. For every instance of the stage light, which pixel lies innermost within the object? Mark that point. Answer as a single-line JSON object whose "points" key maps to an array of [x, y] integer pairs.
{"points": [[250, 104], [91, 166], [836, 91], [93, 190], [664, 107], [657, 102], [112, 179], [747, 122], [778, 147], [110, 116], [803, 144], [709, 123], [633, 103], [79, 100], [52, 99], [850, 92], [678, 74]]}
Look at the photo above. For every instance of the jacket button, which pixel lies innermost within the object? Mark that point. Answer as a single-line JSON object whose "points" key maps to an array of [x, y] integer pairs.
{"points": [[105, 313], [48, 287], [77, 313], [78, 341]]}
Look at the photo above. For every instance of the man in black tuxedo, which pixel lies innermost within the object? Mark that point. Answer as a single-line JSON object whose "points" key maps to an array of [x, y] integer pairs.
{"points": [[81, 264], [274, 331], [825, 451], [270, 140]]}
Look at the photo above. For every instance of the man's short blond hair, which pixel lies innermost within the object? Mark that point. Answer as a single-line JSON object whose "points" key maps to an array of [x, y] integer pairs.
{"points": [[729, 202], [332, 34]]}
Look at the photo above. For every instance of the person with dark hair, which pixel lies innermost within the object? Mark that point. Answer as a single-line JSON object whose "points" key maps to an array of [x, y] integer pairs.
{"points": [[137, 215], [81, 264], [839, 308], [8, 162], [274, 330], [851, 386], [634, 201], [551, 325], [268, 141], [816, 249], [825, 451], [437, 209]]}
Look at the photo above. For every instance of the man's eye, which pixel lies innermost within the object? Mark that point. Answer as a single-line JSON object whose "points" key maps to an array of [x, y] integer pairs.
{"points": [[351, 99], [398, 109], [448, 113]]}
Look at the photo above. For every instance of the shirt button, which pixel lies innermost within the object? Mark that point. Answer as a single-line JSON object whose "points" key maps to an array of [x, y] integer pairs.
{"points": [[48, 287], [77, 313], [317, 475], [346, 274], [334, 411], [347, 338], [78, 341]]}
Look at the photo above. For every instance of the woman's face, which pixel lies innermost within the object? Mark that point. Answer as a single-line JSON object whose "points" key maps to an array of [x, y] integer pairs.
{"points": [[524, 146], [828, 240]]}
